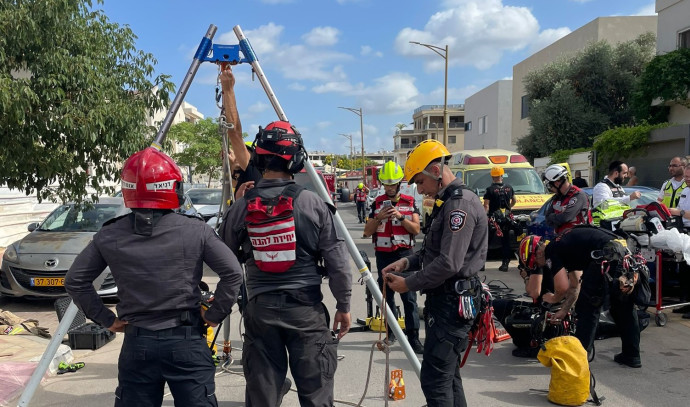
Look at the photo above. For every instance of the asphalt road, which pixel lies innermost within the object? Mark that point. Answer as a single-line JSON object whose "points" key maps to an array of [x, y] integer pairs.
{"points": [[497, 380]]}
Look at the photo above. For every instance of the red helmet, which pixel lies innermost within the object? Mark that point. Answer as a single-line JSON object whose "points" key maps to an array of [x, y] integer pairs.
{"points": [[527, 251], [151, 179], [280, 139]]}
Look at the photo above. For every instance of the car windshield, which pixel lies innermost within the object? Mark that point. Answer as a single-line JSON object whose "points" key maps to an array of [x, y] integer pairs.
{"points": [[206, 196], [523, 180], [72, 218]]}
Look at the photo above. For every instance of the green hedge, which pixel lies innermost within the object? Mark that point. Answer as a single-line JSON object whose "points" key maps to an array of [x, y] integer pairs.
{"points": [[623, 142]]}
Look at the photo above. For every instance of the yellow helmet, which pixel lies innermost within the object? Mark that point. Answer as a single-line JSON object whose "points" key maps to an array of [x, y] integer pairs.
{"points": [[360, 185], [391, 173], [249, 144], [424, 153], [497, 171]]}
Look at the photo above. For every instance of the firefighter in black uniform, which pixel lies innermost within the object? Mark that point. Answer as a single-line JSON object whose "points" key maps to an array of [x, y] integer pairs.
{"points": [[285, 320], [156, 257], [499, 199], [454, 250], [581, 251]]}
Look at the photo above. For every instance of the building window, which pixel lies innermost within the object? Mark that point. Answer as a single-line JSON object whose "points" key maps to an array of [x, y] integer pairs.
{"points": [[684, 39], [482, 125], [433, 136], [468, 126], [524, 110], [452, 140]]}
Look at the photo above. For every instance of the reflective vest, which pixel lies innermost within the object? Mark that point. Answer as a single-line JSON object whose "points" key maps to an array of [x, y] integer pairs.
{"points": [[391, 235], [360, 195], [670, 197], [616, 189], [559, 206]]}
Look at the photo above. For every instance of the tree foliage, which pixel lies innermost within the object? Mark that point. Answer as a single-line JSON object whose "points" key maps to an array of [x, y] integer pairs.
{"points": [[202, 146], [623, 142], [344, 162], [667, 77], [575, 99], [75, 94]]}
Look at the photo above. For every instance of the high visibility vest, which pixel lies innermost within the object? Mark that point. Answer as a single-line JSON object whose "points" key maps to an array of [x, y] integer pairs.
{"points": [[560, 205], [671, 196], [391, 235], [360, 195]]}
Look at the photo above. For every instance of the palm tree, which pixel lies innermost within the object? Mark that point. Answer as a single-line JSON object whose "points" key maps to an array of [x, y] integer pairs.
{"points": [[400, 127]]}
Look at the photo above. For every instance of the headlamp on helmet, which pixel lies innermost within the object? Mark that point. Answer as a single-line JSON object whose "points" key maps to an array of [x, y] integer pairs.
{"points": [[280, 140]]}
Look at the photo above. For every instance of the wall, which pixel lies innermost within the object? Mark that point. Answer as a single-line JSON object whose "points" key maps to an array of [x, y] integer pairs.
{"points": [[494, 102], [612, 29], [674, 17]]}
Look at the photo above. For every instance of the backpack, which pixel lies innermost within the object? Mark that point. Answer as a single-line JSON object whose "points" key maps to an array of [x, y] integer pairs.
{"points": [[271, 229], [570, 374]]}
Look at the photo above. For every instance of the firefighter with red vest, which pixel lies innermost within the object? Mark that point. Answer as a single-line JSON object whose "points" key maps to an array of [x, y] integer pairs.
{"points": [[393, 224], [361, 200], [282, 232], [570, 205]]}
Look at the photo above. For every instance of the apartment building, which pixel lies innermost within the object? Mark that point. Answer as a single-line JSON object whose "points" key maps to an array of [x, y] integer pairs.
{"points": [[488, 117], [611, 29], [427, 121]]}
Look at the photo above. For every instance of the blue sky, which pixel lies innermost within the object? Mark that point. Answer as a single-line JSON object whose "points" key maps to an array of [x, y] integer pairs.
{"points": [[321, 54]]}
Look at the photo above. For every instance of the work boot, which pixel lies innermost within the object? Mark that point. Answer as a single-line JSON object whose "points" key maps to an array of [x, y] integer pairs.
{"points": [[413, 338], [627, 360], [504, 266], [287, 384]]}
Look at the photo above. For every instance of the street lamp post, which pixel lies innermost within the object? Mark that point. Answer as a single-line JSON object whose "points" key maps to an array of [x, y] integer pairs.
{"points": [[438, 50], [358, 112], [352, 154]]}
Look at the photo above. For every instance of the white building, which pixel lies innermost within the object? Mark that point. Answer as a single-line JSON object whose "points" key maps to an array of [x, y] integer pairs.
{"points": [[488, 117]]}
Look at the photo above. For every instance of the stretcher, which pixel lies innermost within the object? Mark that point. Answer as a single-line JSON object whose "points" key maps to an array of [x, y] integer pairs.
{"points": [[668, 257]]}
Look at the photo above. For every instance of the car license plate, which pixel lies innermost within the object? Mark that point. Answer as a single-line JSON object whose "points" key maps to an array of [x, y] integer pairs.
{"points": [[48, 281]]}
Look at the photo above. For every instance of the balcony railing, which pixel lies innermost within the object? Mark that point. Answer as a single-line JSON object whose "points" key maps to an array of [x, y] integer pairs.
{"points": [[438, 107]]}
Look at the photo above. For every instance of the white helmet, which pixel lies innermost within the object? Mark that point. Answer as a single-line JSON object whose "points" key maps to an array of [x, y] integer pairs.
{"points": [[554, 172]]}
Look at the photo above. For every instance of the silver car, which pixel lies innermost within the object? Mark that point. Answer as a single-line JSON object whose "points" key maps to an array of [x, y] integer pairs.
{"points": [[36, 265]]}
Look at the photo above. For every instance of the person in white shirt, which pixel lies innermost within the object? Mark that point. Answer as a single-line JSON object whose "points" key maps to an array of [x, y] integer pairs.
{"points": [[683, 210], [609, 187], [672, 188]]}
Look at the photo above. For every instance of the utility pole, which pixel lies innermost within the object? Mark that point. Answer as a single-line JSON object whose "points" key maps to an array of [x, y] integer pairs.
{"points": [[352, 154], [358, 112], [445, 86]]}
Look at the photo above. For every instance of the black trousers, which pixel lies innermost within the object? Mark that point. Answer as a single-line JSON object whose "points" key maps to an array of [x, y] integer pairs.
{"points": [[282, 331], [409, 299], [446, 340], [148, 361], [506, 250], [361, 210], [594, 292]]}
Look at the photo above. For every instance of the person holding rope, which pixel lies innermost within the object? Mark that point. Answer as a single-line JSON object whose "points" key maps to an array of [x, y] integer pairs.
{"points": [[453, 252], [246, 174], [158, 274], [283, 232]]}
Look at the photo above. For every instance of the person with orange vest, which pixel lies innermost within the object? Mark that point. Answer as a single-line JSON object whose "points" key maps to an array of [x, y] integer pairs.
{"points": [[361, 200], [393, 224], [570, 205]]}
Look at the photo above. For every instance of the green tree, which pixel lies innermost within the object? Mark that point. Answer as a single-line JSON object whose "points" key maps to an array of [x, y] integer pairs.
{"points": [[575, 99], [202, 147], [666, 78], [75, 94]]}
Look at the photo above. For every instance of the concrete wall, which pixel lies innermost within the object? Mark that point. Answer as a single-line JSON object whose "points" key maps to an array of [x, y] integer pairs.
{"points": [[612, 29], [664, 144], [494, 102], [674, 18]]}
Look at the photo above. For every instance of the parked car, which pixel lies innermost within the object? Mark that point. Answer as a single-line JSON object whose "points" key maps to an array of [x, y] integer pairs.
{"points": [[36, 265], [207, 201], [537, 224]]}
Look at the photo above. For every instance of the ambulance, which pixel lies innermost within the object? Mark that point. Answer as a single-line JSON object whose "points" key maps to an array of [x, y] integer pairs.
{"points": [[473, 167]]}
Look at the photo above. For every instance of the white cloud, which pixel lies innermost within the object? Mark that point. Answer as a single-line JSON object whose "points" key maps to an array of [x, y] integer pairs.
{"points": [[366, 50], [321, 36], [477, 33], [258, 107], [648, 10], [323, 124], [548, 37], [296, 86]]}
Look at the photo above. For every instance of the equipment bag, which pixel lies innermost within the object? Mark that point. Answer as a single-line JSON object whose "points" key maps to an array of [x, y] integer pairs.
{"points": [[271, 229], [570, 376]]}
